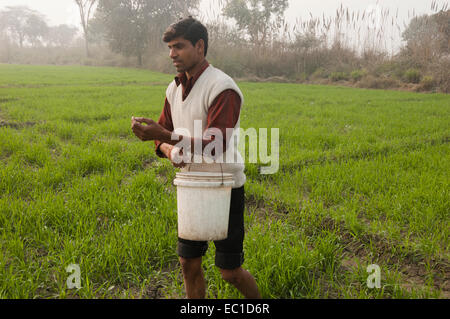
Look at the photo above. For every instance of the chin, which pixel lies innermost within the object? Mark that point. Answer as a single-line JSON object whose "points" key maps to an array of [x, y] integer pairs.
{"points": [[180, 69]]}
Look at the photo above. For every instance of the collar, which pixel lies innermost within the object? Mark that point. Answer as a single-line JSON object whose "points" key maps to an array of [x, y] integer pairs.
{"points": [[182, 78]]}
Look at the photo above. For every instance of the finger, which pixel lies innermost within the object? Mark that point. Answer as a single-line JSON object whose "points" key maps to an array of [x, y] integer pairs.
{"points": [[139, 136], [139, 119], [144, 120], [137, 132]]}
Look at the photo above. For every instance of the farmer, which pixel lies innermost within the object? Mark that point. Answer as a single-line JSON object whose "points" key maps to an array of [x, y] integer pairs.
{"points": [[203, 93]]}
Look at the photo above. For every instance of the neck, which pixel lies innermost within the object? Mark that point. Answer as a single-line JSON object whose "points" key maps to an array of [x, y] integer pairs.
{"points": [[194, 70]]}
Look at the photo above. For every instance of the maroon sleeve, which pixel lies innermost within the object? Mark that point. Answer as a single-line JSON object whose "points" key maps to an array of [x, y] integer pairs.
{"points": [[165, 120], [224, 113]]}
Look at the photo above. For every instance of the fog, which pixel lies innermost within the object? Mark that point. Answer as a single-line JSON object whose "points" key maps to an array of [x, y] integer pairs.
{"points": [[66, 11], [372, 43]]}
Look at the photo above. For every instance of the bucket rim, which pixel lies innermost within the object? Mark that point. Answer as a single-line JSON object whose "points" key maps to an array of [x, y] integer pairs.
{"points": [[208, 184], [204, 174], [204, 179]]}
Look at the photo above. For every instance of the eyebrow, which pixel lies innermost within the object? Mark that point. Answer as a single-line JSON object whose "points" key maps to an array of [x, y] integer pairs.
{"points": [[177, 44]]}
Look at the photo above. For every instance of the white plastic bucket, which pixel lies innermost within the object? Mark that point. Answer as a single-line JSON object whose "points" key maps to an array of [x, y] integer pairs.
{"points": [[203, 201]]}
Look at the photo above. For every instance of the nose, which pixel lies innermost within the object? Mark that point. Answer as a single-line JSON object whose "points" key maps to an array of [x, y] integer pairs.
{"points": [[172, 54]]}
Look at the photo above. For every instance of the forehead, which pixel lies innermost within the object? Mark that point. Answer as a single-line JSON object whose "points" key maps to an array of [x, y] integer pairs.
{"points": [[179, 40]]}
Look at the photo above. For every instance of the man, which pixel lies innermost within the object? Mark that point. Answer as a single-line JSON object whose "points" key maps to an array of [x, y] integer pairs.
{"points": [[203, 93]]}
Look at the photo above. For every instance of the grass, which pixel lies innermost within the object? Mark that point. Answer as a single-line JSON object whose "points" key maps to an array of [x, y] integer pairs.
{"points": [[363, 180]]}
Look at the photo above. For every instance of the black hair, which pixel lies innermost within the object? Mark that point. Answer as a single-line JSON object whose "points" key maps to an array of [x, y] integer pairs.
{"points": [[189, 29]]}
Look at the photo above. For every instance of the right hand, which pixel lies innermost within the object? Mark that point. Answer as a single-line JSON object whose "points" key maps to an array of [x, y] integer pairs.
{"points": [[170, 152]]}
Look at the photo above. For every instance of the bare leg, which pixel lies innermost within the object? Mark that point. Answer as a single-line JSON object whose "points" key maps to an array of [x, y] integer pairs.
{"points": [[194, 281], [243, 281]]}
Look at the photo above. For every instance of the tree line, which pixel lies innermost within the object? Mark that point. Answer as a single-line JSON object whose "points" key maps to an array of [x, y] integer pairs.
{"points": [[28, 27], [251, 38], [129, 27]]}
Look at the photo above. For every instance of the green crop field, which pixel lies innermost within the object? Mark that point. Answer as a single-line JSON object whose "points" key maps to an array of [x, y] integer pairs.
{"points": [[363, 179]]}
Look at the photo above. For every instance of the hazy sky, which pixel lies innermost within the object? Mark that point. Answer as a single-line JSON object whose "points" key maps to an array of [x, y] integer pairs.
{"points": [[65, 11]]}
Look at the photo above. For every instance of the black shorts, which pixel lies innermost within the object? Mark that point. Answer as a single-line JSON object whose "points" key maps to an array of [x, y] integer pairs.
{"points": [[230, 251]]}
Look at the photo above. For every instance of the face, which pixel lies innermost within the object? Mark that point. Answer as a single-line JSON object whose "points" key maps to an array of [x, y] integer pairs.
{"points": [[184, 55]]}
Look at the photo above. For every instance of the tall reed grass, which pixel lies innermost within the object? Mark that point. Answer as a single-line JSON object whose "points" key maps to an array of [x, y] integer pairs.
{"points": [[310, 50]]}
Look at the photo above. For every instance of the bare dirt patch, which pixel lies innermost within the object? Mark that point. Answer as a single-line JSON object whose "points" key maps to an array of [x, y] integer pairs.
{"points": [[412, 265], [7, 99], [417, 270], [16, 125]]}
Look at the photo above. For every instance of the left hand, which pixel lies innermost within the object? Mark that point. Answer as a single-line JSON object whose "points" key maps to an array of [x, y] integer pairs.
{"points": [[151, 131]]}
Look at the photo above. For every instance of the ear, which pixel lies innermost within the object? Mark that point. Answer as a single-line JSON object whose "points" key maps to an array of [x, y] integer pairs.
{"points": [[200, 46]]}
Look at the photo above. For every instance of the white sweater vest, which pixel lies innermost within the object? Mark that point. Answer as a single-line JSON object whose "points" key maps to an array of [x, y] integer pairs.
{"points": [[208, 86]]}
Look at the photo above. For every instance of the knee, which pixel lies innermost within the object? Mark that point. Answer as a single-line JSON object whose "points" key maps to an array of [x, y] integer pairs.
{"points": [[191, 266], [232, 276]]}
